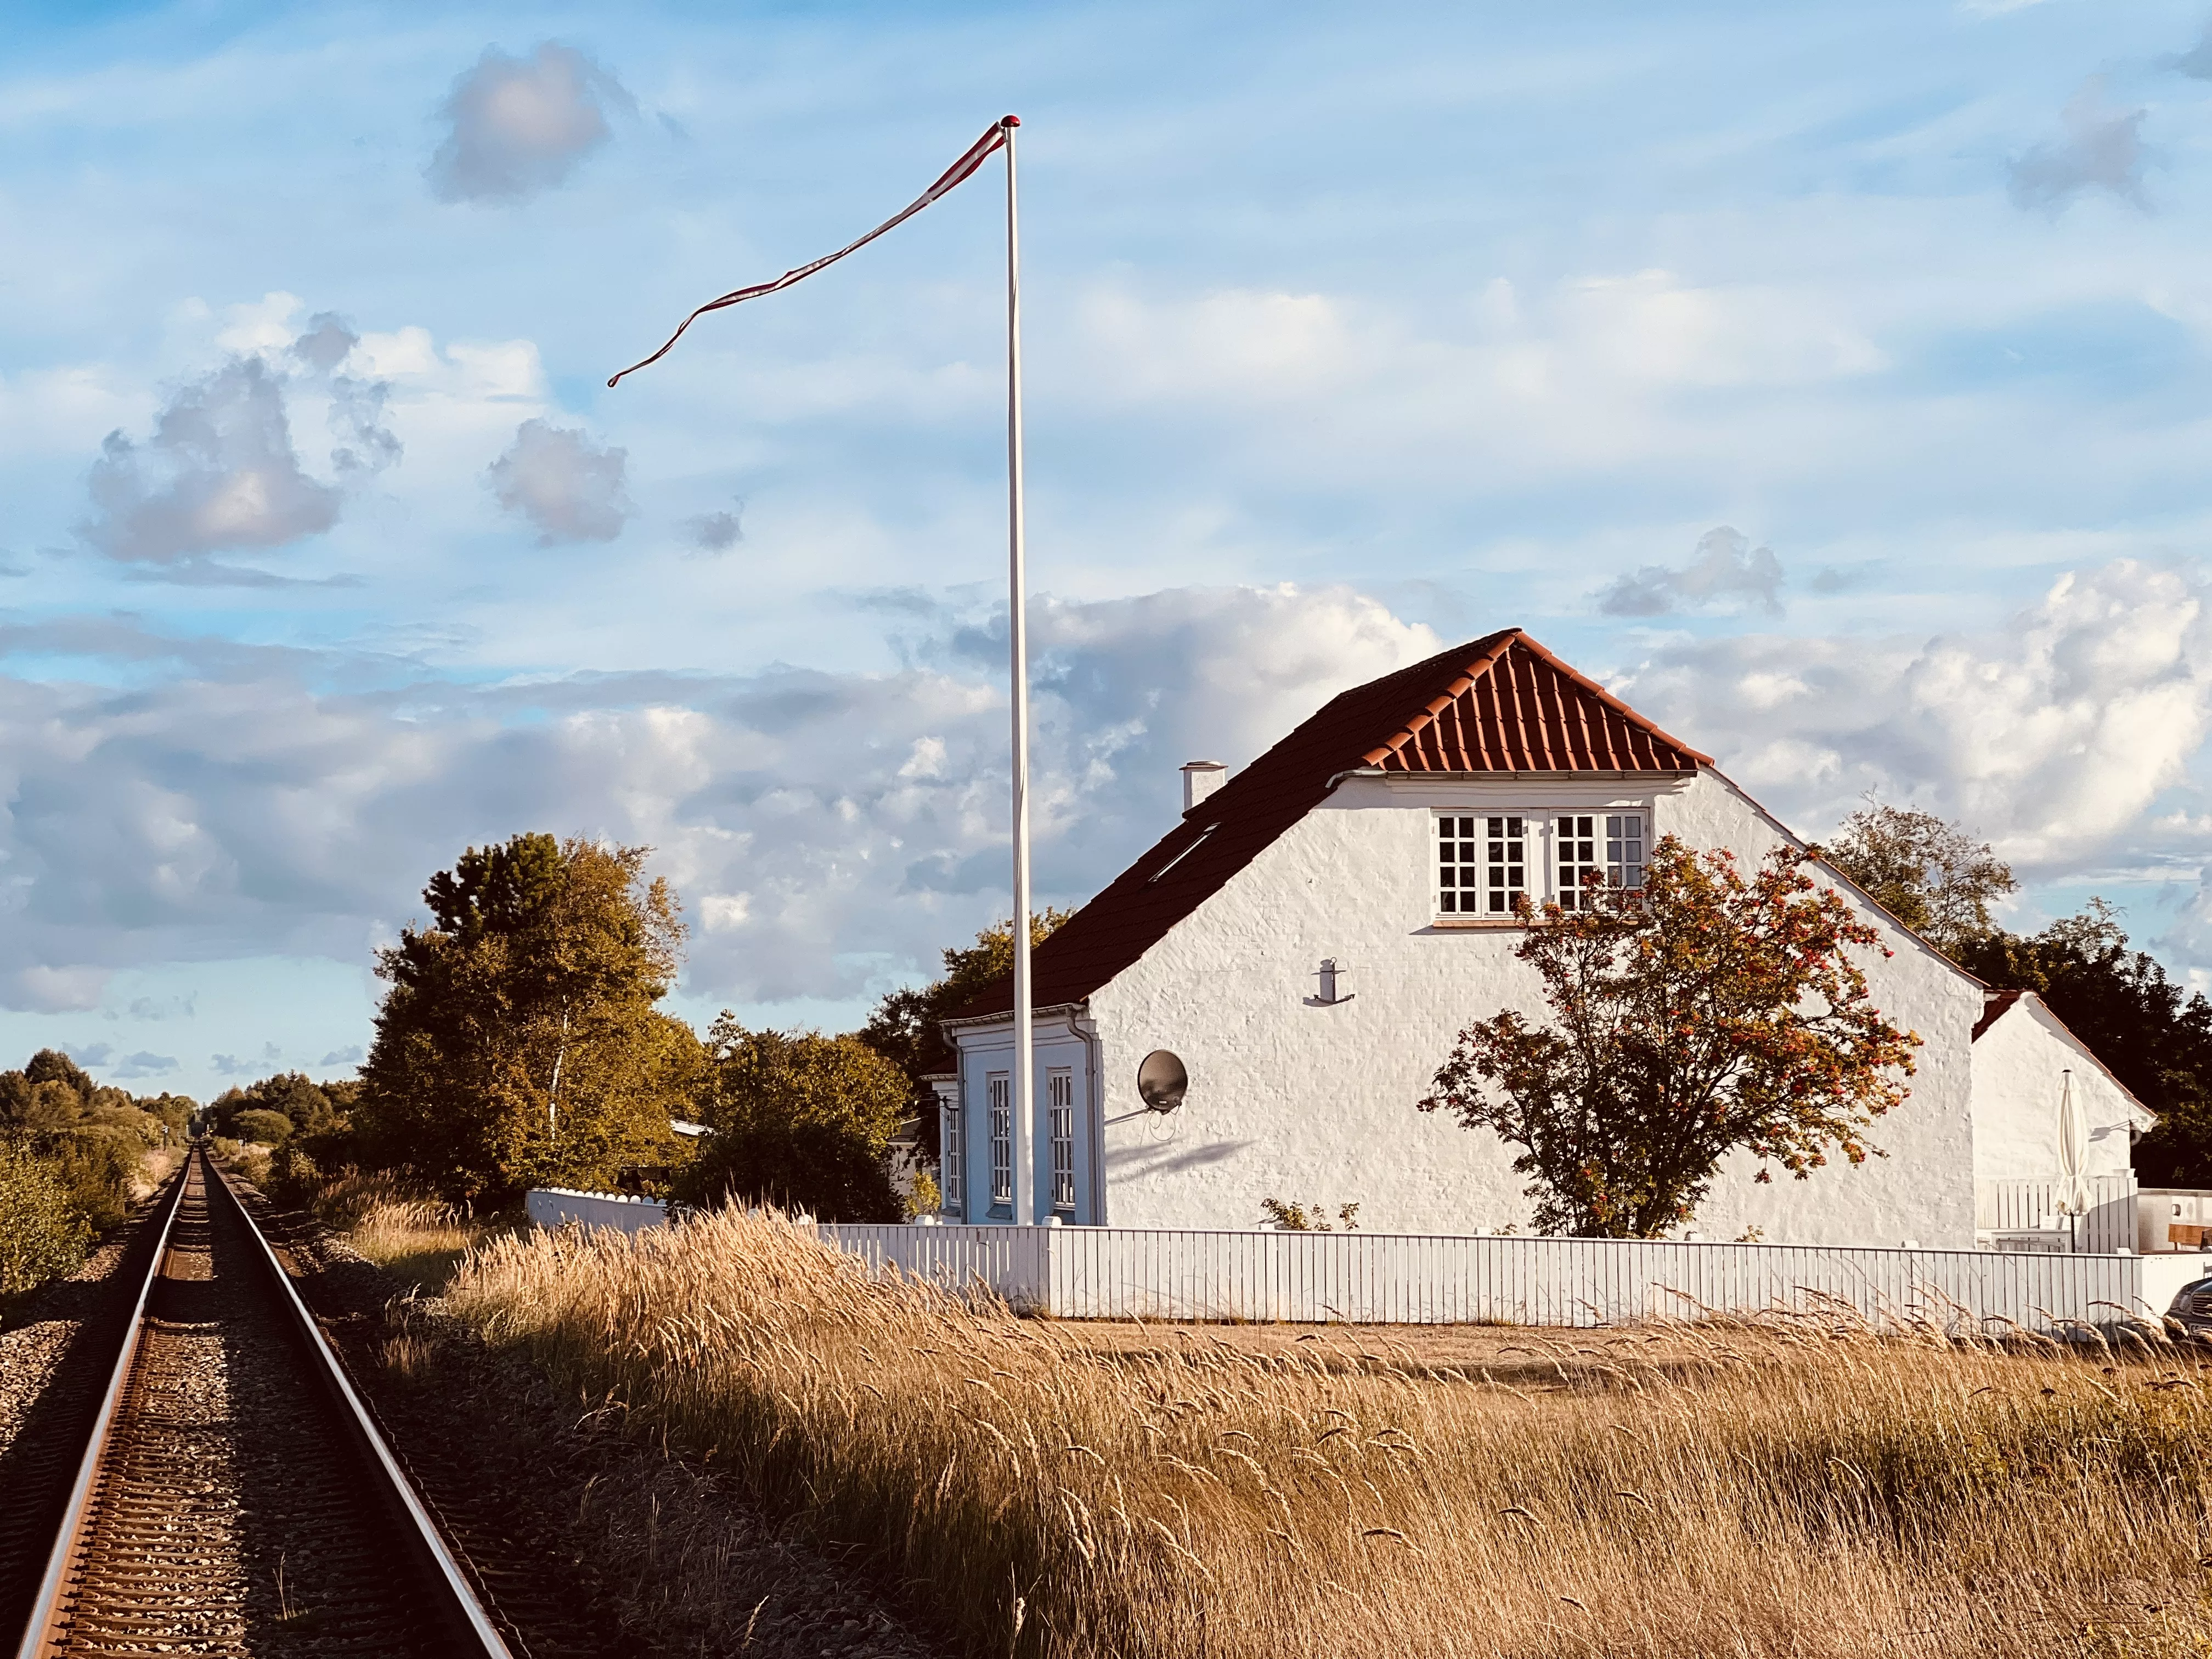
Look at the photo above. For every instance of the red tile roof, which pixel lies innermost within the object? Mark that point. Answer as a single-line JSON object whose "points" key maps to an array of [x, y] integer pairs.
{"points": [[1498, 704], [1996, 1005], [1519, 708]]}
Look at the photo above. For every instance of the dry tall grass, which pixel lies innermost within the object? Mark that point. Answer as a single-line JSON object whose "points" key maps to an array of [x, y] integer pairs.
{"points": [[418, 1240], [1761, 1489]]}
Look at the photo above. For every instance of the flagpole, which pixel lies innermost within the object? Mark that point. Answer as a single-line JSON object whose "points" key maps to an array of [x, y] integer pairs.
{"points": [[999, 135], [1024, 1175]]}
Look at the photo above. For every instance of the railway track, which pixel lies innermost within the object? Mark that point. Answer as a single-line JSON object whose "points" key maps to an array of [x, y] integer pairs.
{"points": [[234, 1495]]}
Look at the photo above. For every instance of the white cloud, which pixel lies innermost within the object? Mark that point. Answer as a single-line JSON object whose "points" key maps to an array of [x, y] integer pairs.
{"points": [[717, 532], [1585, 374], [49, 990], [219, 475], [2197, 62], [238, 812], [570, 489], [1727, 572], [2102, 150], [517, 126], [2054, 737]]}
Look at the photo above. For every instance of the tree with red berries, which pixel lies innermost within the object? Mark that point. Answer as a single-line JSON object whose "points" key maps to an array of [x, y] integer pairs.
{"points": [[1700, 1013]]}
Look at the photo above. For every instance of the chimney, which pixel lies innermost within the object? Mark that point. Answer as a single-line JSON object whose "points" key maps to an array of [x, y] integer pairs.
{"points": [[1199, 779]]}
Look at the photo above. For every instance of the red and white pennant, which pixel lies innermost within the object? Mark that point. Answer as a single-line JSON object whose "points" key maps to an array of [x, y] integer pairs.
{"points": [[994, 139]]}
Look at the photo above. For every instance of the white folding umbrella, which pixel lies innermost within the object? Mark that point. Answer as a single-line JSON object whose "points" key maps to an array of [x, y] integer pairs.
{"points": [[2073, 1157]]}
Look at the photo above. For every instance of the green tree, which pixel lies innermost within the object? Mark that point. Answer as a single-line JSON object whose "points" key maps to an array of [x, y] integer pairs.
{"points": [[519, 1043], [1928, 872], [800, 1121], [292, 1095], [1703, 1014], [35, 1109], [2152, 1033], [904, 1029], [269, 1128], [174, 1111], [52, 1066]]}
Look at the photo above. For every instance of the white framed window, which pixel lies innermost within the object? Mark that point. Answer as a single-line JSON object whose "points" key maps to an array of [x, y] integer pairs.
{"points": [[1060, 1102], [952, 1149], [1459, 865], [1574, 850], [997, 1090], [1504, 864], [1624, 850], [1482, 863]]}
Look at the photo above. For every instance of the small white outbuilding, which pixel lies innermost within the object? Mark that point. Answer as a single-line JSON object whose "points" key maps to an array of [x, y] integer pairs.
{"points": [[2025, 1063]]}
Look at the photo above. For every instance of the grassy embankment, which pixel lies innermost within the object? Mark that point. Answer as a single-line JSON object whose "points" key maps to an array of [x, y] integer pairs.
{"points": [[418, 1240], [1809, 1489]]}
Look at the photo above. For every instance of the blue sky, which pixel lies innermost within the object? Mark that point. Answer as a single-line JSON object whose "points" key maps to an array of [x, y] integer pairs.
{"points": [[1830, 380]]}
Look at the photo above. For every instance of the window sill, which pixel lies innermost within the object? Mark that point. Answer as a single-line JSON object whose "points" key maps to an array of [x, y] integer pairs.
{"points": [[1470, 924]]}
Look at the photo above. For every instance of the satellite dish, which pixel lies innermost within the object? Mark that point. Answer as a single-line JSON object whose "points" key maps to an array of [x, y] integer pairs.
{"points": [[1161, 1080]]}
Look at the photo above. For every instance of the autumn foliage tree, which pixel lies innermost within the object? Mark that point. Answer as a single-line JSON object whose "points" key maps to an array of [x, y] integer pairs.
{"points": [[519, 1043], [1704, 1014]]}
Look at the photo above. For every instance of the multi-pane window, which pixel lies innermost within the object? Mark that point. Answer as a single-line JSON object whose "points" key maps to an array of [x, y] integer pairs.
{"points": [[1575, 844], [997, 1089], [1623, 849], [1459, 866], [953, 1145], [1505, 861], [1060, 1100], [1484, 864]]}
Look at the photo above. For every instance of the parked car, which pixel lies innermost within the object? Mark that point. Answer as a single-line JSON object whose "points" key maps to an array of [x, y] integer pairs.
{"points": [[2192, 1307]]}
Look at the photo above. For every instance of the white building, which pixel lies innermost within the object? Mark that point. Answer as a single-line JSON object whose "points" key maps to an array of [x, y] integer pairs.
{"points": [[1305, 945]]}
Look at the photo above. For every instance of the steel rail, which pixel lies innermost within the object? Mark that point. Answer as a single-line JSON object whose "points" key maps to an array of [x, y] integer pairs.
{"points": [[471, 1634], [74, 1517], [422, 1532]]}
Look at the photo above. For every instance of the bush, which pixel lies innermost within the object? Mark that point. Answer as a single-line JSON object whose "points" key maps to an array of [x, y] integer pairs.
{"points": [[250, 1164], [268, 1128], [294, 1178], [42, 1234], [96, 1164], [815, 1165]]}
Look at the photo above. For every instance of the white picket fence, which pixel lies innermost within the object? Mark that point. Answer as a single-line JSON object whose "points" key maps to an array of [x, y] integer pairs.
{"points": [[1130, 1272], [554, 1206], [1126, 1273], [2020, 1206]]}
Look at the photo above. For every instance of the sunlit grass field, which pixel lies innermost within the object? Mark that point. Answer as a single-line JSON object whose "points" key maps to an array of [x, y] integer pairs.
{"points": [[1780, 1487]]}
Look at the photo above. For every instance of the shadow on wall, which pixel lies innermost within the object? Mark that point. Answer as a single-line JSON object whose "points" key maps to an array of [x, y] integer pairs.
{"points": [[1172, 1158]]}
